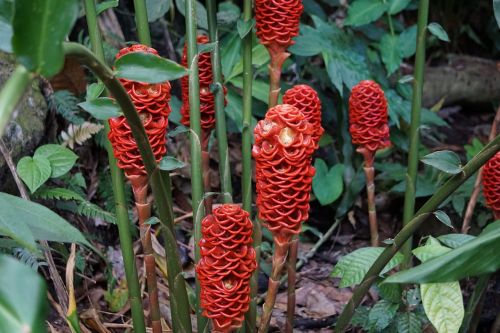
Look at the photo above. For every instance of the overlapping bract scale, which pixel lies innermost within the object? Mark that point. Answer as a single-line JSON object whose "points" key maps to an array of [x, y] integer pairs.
{"points": [[277, 21], [368, 116], [226, 265], [207, 100], [306, 99], [491, 184], [151, 102], [282, 151]]}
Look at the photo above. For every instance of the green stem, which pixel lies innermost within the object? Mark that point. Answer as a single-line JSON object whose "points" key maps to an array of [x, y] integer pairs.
{"points": [[220, 116], [410, 228], [141, 21], [418, 83], [195, 143], [178, 298], [474, 304], [12, 92], [122, 218]]}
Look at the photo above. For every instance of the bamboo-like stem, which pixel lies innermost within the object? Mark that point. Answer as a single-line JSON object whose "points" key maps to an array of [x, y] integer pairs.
{"points": [[418, 83], [12, 92], [195, 144], [420, 217], [474, 303], [118, 184], [141, 21], [220, 115], [205, 161], [179, 301], [369, 169], [292, 279], [279, 261], [278, 56], [140, 188]]}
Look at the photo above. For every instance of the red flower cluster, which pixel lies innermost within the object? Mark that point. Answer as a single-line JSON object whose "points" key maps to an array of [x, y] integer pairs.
{"points": [[226, 265], [207, 101], [151, 102], [277, 21], [368, 116], [306, 99], [282, 152], [491, 184]]}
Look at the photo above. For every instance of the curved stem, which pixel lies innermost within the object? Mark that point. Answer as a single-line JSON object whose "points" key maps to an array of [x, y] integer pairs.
{"points": [[179, 300], [278, 56], [370, 191], [141, 21], [420, 217]]}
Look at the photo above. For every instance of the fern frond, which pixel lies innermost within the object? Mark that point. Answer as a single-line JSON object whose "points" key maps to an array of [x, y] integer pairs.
{"points": [[90, 210], [30, 259], [78, 134], [58, 193], [66, 105]]}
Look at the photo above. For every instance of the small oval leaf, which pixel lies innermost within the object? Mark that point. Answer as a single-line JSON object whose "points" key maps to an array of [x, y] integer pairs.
{"points": [[146, 67], [34, 171], [437, 30], [169, 163], [102, 108], [444, 160]]}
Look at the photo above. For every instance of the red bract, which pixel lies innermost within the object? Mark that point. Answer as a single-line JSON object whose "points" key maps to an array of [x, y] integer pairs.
{"points": [[226, 265], [277, 21], [307, 101], [368, 116], [151, 102], [282, 152], [491, 184]]}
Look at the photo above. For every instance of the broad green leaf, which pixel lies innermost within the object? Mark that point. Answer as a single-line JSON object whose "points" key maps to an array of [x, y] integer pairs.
{"points": [[408, 42], [43, 223], [327, 184], [105, 5], [426, 252], [201, 12], [455, 240], [496, 9], [34, 171], [389, 50], [308, 43], [380, 316], [353, 267], [230, 53], [444, 160], [94, 90], [443, 217], [390, 292], [437, 30], [244, 27], [260, 56], [169, 163], [147, 67], [408, 322], [61, 159], [365, 11], [313, 8], [6, 7], [260, 89], [156, 9], [395, 6], [40, 27], [102, 108], [23, 298], [443, 305], [228, 13]]}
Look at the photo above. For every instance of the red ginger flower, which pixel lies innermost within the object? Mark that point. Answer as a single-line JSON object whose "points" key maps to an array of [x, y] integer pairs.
{"points": [[368, 116], [151, 102], [226, 265], [282, 152], [306, 99], [491, 184]]}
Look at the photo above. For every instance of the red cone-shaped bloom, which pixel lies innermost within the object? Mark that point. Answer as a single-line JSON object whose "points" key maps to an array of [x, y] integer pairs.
{"points": [[277, 21], [491, 184], [226, 265], [368, 116], [151, 102], [306, 99], [282, 152], [207, 101]]}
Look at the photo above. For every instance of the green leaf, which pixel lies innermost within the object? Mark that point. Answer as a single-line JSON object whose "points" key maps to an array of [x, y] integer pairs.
{"points": [[260, 89], [34, 171], [443, 305], [228, 13], [389, 50], [327, 184], [156, 9], [395, 6], [105, 5], [102, 108], [455, 240], [23, 298], [94, 90], [444, 160], [353, 267], [230, 53], [365, 11], [408, 322], [437, 30], [260, 56], [6, 26], [308, 43], [408, 42], [244, 27], [152, 220], [201, 13], [147, 67], [61, 159], [169, 163], [40, 27], [380, 316], [496, 9], [429, 251], [443, 217]]}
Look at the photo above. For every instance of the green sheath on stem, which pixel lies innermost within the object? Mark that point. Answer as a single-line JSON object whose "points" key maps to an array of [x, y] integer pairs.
{"points": [[420, 217], [418, 83], [179, 300], [141, 21]]}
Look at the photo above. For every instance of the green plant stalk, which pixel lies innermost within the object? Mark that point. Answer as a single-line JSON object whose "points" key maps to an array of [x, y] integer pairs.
{"points": [[179, 300], [410, 228], [292, 279], [141, 21], [220, 116], [118, 184], [474, 303], [418, 83], [195, 144], [12, 92]]}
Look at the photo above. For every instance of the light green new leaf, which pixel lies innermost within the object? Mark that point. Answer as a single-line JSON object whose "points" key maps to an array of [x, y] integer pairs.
{"points": [[327, 184], [395, 6], [34, 171], [147, 67], [169, 163], [61, 159], [391, 56], [260, 89], [437, 30], [444, 160], [443, 305], [365, 11], [102, 108]]}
